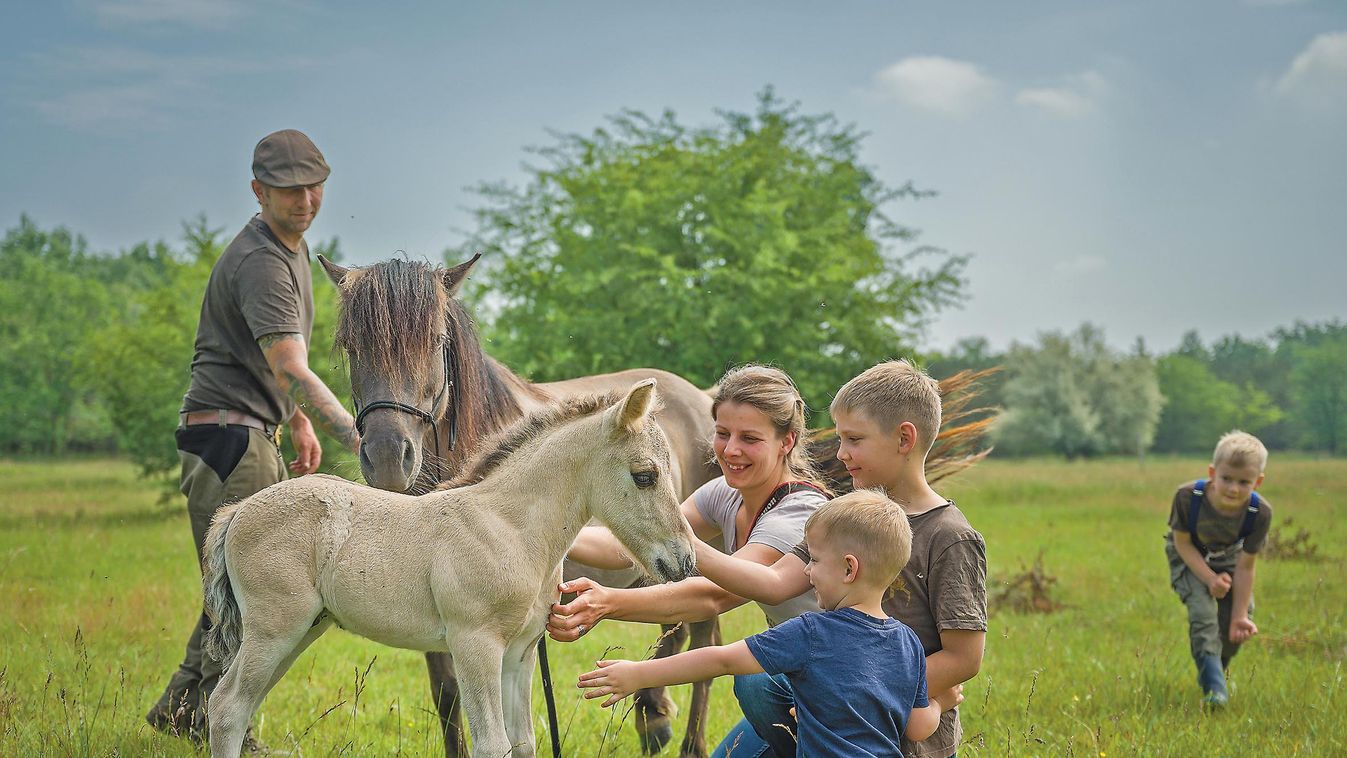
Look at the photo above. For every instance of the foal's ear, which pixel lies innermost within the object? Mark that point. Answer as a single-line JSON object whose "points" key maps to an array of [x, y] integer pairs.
{"points": [[334, 272], [636, 407], [453, 278]]}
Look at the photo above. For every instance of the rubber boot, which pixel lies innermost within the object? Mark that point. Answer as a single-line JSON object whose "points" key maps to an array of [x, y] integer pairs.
{"points": [[1212, 679]]}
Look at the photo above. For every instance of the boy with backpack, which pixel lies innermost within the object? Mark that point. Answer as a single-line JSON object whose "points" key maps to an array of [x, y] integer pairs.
{"points": [[1216, 528]]}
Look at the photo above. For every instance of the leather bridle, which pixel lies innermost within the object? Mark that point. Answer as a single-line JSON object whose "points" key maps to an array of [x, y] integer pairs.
{"points": [[447, 395]]}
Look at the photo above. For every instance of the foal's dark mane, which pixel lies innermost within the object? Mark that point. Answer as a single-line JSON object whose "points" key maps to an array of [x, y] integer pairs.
{"points": [[393, 316], [496, 449]]}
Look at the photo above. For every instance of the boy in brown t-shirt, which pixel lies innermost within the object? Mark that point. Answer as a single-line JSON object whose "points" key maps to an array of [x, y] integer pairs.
{"points": [[1216, 528], [887, 419]]}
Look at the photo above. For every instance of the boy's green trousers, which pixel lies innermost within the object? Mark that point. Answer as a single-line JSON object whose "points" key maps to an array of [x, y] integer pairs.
{"points": [[1208, 618]]}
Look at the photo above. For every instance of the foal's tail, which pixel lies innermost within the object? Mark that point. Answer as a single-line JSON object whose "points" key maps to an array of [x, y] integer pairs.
{"points": [[226, 622]]}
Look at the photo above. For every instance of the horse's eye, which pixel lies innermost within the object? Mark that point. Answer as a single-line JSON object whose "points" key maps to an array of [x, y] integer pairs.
{"points": [[644, 479], [441, 340]]}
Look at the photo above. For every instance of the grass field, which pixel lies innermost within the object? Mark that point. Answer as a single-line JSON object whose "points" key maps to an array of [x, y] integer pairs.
{"points": [[98, 589]]}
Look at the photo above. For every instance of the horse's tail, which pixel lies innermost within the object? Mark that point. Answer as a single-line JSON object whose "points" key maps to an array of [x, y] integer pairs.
{"points": [[960, 443], [222, 608]]}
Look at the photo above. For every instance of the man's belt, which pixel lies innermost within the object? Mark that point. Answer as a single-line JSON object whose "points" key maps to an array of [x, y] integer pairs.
{"points": [[227, 418]]}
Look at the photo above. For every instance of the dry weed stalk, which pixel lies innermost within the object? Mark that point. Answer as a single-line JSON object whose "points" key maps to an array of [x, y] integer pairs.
{"points": [[1027, 592]]}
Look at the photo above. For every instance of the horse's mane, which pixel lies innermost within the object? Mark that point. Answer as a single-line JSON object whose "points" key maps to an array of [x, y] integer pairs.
{"points": [[392, 316], [494, 450]]}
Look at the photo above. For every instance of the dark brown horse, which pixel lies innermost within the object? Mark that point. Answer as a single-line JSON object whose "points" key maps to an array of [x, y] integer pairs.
{"points": [[425, 394]]}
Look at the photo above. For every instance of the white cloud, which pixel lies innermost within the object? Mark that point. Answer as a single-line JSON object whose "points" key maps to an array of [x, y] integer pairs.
{"points": [[1060, 102], [935, 84], [1320, 71], [1075, 98], [201, 14]]}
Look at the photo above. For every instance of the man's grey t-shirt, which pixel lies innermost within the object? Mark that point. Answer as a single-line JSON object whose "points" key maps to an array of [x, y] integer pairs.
{"points": [[257, 287], [944, 586], [781, 528]]}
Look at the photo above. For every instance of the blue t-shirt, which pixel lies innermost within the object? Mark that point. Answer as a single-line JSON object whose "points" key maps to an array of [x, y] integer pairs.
{"points": [[856, 679]]}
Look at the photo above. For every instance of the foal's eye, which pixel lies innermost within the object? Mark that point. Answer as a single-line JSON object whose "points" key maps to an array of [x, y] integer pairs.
{"points": [[644, 479]]}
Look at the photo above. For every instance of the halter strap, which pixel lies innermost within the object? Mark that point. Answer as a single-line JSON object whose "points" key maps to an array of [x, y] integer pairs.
{"points": [[780, 493], [450, 391]]}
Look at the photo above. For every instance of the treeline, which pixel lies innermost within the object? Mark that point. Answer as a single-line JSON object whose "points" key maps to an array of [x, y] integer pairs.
{"points": [[1070, 394], [95, 349]]}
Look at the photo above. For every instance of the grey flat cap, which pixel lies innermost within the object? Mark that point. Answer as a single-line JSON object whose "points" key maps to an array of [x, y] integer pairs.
{"points": [[288, 158]]}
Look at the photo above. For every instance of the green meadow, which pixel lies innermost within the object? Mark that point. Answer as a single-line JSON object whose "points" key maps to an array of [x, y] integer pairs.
{"points": [[98, 589]]}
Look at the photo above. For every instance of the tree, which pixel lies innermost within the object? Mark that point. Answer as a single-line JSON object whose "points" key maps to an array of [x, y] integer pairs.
{"points": [[1320, 383], [48, 301], [1200, 407], [1071, 395], [145, 359], [1128, 399], [647, 242], [1253, 366]]}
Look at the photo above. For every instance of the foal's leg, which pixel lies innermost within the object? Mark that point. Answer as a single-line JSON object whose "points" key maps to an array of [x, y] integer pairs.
{"points": [[479, 663], [444, 691], [517, 694], [315, 631], [262, 658]]}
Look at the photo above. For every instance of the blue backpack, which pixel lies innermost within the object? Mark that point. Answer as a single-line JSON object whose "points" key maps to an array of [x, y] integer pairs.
{"points": [[1195, 507]]}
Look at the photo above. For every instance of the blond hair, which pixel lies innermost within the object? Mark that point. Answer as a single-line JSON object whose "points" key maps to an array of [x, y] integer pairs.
{"points": [[891, 393], [870, 526], [1238, 448], [771, 391]]}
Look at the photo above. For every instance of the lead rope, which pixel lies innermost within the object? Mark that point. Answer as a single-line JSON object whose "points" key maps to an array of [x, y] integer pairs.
{"points": [[549, 697]]}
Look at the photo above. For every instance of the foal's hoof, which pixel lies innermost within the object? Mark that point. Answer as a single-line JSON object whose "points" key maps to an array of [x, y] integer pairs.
{"points": [[654, 728], [254, 746]]}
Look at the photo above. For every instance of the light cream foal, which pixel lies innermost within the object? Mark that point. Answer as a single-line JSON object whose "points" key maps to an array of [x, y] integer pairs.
{"points": [[470, 570]]}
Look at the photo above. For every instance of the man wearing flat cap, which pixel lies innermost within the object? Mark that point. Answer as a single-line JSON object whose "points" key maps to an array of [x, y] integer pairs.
{"points": [[250, 376]]}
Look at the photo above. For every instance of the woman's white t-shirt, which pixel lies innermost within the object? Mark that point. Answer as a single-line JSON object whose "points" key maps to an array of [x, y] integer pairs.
{"points": [[781, 528]]}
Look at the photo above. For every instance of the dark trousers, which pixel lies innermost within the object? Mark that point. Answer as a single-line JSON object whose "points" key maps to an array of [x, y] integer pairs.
{"points": [[220, 465]]}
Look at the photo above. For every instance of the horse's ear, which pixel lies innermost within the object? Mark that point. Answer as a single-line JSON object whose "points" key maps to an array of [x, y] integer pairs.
{"points": [[334, 272], [454, 277], [636, 407]]}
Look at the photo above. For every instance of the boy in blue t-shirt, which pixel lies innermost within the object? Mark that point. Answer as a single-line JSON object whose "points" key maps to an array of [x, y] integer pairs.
{"points": [[859, 676]]}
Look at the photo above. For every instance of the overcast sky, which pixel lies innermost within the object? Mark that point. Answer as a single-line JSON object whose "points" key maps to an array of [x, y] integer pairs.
{"points": [[1152, 166]]}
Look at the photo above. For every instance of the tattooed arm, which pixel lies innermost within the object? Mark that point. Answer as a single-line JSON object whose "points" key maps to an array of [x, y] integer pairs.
{"points": [[288, 357]]}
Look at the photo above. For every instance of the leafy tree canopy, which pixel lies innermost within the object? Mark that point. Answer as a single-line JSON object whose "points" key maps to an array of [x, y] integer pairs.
{"points": [[1320, 382], [650, 243], [1072, 395]]}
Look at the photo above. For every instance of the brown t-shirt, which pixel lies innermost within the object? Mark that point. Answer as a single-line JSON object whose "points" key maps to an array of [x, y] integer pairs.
{"points": [[1218, 531], [946, 588], [257, 287]]}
